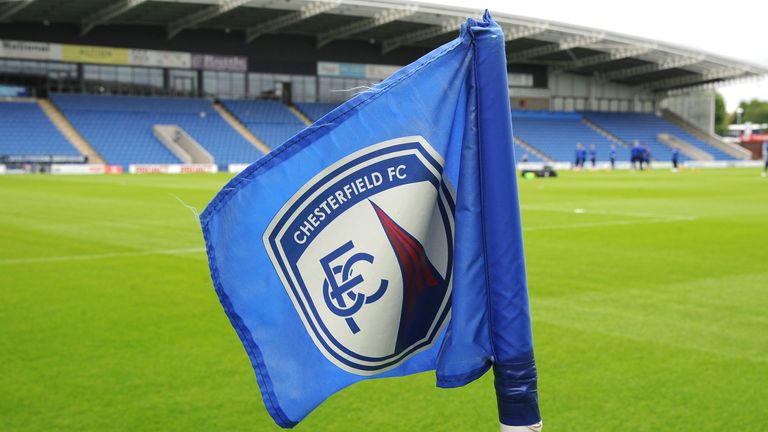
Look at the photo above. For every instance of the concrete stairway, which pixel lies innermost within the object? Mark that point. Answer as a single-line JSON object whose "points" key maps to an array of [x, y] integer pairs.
{"points": [[240, 128], [686, 148], [715, 141], [299, 114], [69, 131], [604, 133], [533, 150], [181, 144]]}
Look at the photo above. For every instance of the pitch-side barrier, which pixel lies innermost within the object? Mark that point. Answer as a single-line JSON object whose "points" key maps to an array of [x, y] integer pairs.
{"points": [[91, 169]]}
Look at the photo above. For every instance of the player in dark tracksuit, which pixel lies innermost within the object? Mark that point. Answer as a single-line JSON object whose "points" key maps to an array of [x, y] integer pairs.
{"points": [[765, 158], [612, 156], [637, 155], [593, 155], [675, 157], [647, 156], [579, 157]]}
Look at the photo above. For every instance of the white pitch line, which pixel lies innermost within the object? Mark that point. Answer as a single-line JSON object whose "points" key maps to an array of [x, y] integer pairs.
{"points": [[608, 213], [602, 224], [65, 258]]}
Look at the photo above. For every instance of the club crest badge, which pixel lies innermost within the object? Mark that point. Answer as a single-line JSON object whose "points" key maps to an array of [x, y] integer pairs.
{"points": [[365, 252]]}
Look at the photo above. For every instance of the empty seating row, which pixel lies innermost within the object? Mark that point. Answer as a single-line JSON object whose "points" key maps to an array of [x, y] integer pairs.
{"points": [[646, 127], [26, 130], [270, 121], [120, 127], [556, 134], [315, 110], [523, 155]]}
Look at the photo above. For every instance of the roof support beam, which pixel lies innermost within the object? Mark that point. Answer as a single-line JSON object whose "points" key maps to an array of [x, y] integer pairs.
{"points": [[650, 68], [13, 9], [307, 11], [104, 15], [718, 74], [614, 54], [379, 19], [206, 14], [739, 79], [420, 35], [565, 44], [519, 32]]}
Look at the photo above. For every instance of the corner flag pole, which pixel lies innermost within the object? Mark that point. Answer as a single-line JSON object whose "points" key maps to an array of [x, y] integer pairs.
{"points": [[514, 366]]}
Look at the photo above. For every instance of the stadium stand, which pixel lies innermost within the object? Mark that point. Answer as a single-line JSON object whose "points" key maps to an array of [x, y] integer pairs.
{"points": [[270, 121], [646, 127], [26, 130], [315, 110], [556, 133], [120, 127], [565, 67], [521, 152]]}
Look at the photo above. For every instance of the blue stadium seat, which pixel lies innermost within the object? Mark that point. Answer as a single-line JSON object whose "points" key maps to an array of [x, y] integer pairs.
{"points": [[645, 127], [120, 127], [521, 151], [315, 110], [556, 134], [26, 130], [270, 121]]}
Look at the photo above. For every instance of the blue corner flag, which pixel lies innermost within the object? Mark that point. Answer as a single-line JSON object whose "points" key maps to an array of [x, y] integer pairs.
{"points": [[385, 240]]}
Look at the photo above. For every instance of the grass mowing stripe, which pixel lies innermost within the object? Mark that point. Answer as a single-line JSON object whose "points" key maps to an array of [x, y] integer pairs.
{"points": [[640, 322], [64, 258]]}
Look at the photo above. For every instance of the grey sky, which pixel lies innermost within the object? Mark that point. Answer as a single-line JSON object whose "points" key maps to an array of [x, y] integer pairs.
{"points": [[739, 32]]}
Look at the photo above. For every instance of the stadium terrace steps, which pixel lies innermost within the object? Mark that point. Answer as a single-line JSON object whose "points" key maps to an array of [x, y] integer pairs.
{"points": [[645, 127], [240, 128], [269, 120], [604, 133], [685, 148], [555, 134], [183, 146], [306, 120], [525, 147], [69, 131], [734, 150], [120, 127], [316, 110], [28, 131]]}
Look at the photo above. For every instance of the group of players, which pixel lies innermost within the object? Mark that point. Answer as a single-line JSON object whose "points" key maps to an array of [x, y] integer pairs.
{"points": [[640, 156]]}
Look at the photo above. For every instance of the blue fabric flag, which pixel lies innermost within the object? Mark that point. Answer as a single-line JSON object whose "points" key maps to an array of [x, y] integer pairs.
{"points": [[385, 240]]}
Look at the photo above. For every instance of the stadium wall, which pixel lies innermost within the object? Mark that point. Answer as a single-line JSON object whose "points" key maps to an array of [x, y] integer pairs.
{"points": [[697, 107], [571, 92], [270, 59], [286, 54], [296, 58]]}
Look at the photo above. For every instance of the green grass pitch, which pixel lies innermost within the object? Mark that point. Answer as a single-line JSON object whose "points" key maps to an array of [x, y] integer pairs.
{"points": [[649, 295]]}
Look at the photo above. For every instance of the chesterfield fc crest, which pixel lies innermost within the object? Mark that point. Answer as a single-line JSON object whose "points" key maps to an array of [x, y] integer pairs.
{"points": [[365, 250]]}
